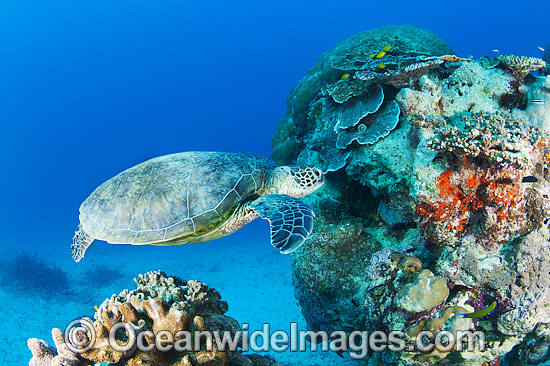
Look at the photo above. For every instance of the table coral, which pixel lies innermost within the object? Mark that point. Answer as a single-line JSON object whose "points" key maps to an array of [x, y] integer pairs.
{"points": [[406, 71], [521, 66], [372, 128]]}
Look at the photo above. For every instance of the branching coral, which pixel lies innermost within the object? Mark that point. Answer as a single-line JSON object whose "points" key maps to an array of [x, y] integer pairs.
{"points": [[521, 66], [496, 138]]}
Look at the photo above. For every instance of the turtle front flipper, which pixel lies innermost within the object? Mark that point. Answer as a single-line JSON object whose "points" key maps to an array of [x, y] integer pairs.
{"points": [[290, 219], [81, 242]]}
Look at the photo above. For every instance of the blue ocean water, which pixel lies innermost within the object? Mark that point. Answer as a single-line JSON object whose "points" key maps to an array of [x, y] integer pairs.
{"points": [[90, 88]]}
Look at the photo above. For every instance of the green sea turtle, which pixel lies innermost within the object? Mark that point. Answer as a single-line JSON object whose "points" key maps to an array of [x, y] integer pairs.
{"points": [[193, 197]]}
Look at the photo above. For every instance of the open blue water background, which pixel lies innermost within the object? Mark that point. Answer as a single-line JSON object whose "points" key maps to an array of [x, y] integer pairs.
{"points": [[90, 88]]}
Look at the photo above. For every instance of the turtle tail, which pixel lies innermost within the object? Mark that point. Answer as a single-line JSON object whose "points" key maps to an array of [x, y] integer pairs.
{"points": [[81, 242]]}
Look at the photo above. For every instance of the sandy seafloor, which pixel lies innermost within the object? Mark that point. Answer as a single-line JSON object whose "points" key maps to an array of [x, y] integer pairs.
{"points": [[253, 277]]}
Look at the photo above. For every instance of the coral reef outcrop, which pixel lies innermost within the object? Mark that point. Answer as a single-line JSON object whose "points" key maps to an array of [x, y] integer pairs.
{"points": [[445, 212], [164, 312], [320, 98]]}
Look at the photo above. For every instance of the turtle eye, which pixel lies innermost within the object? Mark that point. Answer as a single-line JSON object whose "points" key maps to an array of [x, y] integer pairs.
{"points": [[318, 173]]}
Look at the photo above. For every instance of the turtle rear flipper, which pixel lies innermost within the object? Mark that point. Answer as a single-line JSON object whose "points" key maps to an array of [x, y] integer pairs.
{"points": [[290, 219], [81, 242]]}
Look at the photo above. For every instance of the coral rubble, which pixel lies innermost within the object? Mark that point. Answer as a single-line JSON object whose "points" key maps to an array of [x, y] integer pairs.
{"points": [[435, 209], [159, 305]]}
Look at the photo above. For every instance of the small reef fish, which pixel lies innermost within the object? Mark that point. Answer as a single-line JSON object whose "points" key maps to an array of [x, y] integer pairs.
{"points": [[96, 308], [541, 48], [505, 180], [381, 66], [529, 179], [400, 226], [345, 76], [526, 179], [480, 313], [536, 101], [387, 48], [371, 55], [380, 54], [495, 50]]}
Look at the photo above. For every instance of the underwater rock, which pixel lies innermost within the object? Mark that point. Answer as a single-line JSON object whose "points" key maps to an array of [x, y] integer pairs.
{"points": [[531, 294], [546, 58], [425, 292], [473, 265], [459, 188], [160, 303], [470, 88], [537, 97]]}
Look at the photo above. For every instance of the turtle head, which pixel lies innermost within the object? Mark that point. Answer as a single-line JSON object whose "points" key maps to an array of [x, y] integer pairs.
{"points": [[296, 180]]}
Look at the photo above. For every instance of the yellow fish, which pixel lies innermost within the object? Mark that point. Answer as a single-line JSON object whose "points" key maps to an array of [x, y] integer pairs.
{"points": [[387, 48], [380, 54], [482, 312], [345, 76], [96, 308], [381, 66], [371, 55]]}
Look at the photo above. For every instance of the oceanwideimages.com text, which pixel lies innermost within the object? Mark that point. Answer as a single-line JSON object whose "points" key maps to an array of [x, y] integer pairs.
{"points": [[80, 338]]}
